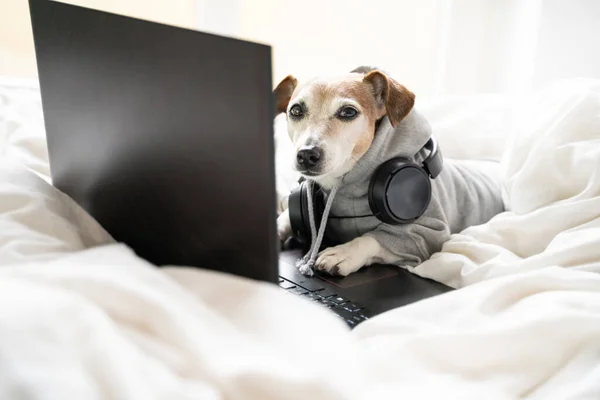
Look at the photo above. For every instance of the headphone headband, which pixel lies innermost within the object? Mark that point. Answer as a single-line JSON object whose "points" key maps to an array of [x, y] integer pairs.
{"points": [[434, 163]]}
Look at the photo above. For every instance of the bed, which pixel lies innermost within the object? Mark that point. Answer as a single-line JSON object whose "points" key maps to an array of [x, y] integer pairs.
{"points": [[82, 317]]}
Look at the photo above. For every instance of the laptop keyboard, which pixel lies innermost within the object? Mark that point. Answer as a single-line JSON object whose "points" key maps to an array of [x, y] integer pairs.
{"points": [[351, 312]]}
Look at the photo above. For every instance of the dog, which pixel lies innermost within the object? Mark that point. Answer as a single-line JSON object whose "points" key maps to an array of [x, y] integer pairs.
{"points": [[342, 128]]}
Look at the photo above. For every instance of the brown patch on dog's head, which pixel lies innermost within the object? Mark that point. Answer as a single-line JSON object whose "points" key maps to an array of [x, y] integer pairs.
{"points": [[392, 99], [283, 93], [338, 116], [351, 87], [362, 94]]}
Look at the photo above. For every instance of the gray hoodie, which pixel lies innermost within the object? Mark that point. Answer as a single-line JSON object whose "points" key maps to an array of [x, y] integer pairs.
{"points": [[465, 193]]}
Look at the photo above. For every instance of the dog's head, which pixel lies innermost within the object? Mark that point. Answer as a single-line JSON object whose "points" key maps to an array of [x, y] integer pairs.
{"points": [[332, 121]]}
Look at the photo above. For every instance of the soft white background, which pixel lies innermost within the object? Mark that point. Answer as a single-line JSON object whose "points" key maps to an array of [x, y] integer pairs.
{"points": [[433, 46]]}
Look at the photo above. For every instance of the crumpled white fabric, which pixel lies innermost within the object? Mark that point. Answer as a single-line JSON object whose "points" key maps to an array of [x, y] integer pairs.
{"points": [[101, 323], [80, 322], [552, 177], [38, 222]]}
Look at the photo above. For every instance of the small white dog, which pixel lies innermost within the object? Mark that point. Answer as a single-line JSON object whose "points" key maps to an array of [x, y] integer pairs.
{"points": [[344, 127]]}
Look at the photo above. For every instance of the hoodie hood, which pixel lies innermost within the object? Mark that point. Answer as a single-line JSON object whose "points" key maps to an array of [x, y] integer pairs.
{"points": [[406, 141]]}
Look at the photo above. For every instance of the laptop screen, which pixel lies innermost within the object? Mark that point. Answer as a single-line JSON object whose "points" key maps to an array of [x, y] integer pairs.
{"points": [[163, 134]]}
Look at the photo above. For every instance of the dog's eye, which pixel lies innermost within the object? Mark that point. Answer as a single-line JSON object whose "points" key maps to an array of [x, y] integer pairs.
{"points": [[347, 113], [296, 111]]}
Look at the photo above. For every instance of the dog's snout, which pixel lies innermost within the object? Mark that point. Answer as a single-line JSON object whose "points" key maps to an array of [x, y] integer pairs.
{"points": [[308, 156]]}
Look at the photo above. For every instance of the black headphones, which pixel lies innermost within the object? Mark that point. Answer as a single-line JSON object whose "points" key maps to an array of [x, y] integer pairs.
{"points": [[399, 193]]}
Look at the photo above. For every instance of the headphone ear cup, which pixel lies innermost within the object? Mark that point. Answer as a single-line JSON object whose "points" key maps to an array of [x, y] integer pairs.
{"points": [[299, 215], [296, 212], [400, 192]]}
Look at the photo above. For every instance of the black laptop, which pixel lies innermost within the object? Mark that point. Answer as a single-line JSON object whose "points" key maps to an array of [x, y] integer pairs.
{"points": [[165, 136]]}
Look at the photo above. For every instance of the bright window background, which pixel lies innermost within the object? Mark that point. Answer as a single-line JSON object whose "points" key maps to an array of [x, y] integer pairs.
{"points": [[17, 56], [432, 46]]}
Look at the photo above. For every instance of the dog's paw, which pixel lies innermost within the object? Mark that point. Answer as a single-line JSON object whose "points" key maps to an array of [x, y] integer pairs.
{"points": [[339, 260], [284, 226], [346, 258], [350, 257]]}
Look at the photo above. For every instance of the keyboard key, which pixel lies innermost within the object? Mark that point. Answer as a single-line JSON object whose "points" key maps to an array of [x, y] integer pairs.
{"points": [[352, 323], [324, 304], [351, 307], [345, 314], [327, 293], [313, 296], [325, 301], [298, 290], [286, 285], [339, 300], [331, 304], [357, 318]]}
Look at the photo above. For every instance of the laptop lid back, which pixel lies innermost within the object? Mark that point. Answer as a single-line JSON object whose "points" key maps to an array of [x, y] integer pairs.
{"points": [[163, 134]]}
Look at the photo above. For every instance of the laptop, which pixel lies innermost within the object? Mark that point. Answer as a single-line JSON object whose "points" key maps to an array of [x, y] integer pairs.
{"points": [[165, 136]]}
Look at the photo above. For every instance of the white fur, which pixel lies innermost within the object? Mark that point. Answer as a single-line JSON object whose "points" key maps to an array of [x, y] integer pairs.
{"points": [[287, 176], [284, 226], [312, 129], [350, 257]]}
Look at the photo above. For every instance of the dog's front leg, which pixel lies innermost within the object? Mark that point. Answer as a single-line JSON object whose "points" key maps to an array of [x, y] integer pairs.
{"points": [[352, 256], [284, 226]]}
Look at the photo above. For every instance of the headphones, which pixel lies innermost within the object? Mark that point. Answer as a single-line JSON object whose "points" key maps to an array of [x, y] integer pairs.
{"points": [[399, 193]]}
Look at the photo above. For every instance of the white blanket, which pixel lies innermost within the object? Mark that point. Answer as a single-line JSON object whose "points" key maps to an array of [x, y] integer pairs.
{"points": [[101, 323], [552, 173]]}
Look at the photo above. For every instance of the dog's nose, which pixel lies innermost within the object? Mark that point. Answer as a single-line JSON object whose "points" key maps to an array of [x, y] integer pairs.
{"points": [[308, 156]]}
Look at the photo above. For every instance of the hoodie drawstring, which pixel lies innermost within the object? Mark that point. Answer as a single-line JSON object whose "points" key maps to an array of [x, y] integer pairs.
{"points": [[306, 264]]}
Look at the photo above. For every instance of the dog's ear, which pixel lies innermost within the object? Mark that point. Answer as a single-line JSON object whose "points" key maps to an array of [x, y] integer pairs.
{"points": [[283, 93], [391, 97]]}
